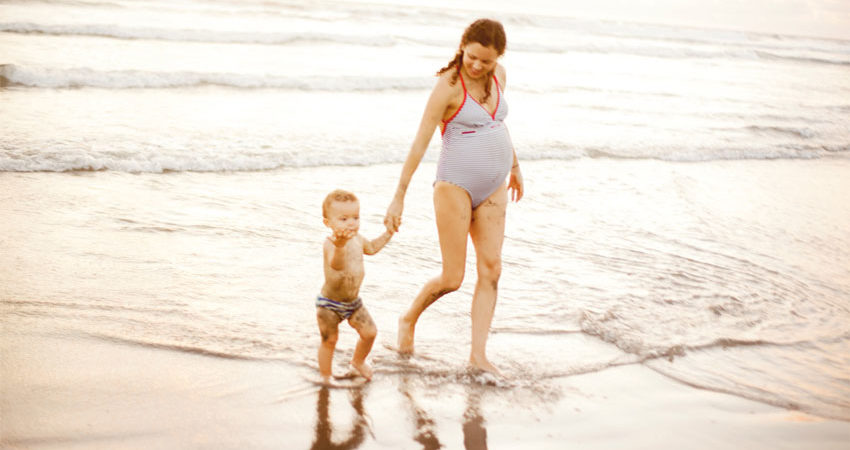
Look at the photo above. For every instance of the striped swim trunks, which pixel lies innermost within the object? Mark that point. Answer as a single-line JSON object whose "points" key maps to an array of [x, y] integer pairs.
{"points": [[343, 309]]}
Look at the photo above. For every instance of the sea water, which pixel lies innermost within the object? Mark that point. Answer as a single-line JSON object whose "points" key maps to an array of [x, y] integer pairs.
{"points": [[163, 162]]}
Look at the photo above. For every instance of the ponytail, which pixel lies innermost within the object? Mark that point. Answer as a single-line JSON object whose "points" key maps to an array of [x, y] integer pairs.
{"points": [[456, 64]]}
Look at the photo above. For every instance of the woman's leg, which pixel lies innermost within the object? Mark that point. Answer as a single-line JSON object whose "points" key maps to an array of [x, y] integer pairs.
{"points": [[453, 213], [488, 233]]}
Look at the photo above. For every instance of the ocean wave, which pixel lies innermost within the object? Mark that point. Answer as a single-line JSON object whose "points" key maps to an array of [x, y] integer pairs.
{"points": [[802, 58], [196, 350], [45, 77], [750, 371], [611, 41], [195, 35], [668, 50], [804, 133], [609, 328], [720, 154], [70, 161]]}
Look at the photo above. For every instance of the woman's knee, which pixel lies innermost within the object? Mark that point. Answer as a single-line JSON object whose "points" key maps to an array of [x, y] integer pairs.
{"points": [[490, 269], [450, 281]]}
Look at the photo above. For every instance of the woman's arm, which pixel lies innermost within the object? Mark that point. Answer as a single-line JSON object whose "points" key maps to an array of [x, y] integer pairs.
{"points": [[515, 183], [438, 102]]}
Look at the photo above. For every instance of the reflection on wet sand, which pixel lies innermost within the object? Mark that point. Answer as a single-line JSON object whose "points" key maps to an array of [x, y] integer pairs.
{"points": [[425, 431], [324, 427], [424, 426], [474, 430]]}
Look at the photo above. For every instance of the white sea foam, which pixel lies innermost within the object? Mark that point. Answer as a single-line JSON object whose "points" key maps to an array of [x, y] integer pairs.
{"points": [[667, 42], [65, 160], [82, 77], [195, 35]]}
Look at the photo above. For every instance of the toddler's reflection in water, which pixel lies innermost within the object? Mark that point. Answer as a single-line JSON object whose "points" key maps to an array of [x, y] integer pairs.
{"points": [[324, 427], [425, 431]]}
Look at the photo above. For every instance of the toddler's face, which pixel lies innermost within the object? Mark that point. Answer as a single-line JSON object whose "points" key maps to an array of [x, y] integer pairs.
{"points": [[344, 216]]}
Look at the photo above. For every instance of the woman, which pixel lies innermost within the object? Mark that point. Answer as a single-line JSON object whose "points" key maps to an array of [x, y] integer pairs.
{"points": [[470, 197]]}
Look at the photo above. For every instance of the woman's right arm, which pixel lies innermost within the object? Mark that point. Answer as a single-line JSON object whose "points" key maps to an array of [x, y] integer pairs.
{"points": [[438, 102]]}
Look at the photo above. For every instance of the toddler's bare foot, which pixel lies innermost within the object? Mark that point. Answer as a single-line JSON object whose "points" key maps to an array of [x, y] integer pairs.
{"points": [[363, 369], [405, 336], [481, 363], [352, 373]]}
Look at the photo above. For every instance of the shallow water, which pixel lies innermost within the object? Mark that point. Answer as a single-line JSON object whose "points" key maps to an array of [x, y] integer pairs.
{"points": [[161, 167], [730, 276]]}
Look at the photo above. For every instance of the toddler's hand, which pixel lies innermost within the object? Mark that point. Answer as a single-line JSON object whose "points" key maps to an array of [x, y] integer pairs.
{"points": [[340, 237], [390, 229]]}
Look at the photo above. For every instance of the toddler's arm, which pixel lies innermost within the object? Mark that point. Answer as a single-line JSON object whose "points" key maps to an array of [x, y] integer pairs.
{"points": [[375, 245], [335, 252]]}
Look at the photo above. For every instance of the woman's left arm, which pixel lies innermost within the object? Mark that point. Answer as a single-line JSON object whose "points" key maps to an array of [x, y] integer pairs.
{"points": [[515, 184]]}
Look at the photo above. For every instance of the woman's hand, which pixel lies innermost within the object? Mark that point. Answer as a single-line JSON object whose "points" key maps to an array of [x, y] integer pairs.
{"points": [[393, 218], [515, 185]]}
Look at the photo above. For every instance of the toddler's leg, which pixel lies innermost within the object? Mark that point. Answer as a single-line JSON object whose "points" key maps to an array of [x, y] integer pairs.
{"points": [[329, 329], [365, 326]]}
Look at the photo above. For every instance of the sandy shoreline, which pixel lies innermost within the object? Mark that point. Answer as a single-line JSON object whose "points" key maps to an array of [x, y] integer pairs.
{"points": [[82, 252], [68, 391]]}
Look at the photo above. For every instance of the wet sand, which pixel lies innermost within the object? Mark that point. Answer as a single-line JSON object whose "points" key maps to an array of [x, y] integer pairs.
{"points": [[69, 391]]}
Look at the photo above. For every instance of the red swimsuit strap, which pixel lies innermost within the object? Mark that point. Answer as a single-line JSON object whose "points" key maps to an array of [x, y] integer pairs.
{"points": [[463, 102]]}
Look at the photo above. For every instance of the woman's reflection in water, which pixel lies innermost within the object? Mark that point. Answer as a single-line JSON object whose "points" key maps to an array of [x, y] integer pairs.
{"points": [[324, 427], [425, 431], [474, 432]]}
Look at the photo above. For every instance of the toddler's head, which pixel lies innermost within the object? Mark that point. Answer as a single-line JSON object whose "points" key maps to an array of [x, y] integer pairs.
{"points": [[341, 210]]}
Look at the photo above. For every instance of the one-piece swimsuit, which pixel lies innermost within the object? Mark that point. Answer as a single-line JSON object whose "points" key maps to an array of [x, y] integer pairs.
{"points": [[477, 152]]}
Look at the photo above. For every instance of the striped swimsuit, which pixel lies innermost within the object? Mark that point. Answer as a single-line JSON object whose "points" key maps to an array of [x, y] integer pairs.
{"points": [[343, 309], [477, 152]]}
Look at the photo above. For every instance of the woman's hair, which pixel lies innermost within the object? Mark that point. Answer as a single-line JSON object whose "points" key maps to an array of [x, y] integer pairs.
{"points": [[337, 195], [486, 32]]}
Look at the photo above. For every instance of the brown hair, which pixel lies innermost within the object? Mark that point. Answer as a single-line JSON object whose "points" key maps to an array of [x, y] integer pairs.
{"points": [[337, 195], [486, 32]]}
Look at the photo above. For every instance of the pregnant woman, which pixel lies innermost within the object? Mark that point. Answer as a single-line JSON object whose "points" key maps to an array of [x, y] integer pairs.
{"points": [[470, 195]]}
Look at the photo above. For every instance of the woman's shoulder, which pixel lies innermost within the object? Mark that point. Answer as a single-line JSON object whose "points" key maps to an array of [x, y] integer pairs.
{"points": [[448, 77], [448, 82], [501, 74]]}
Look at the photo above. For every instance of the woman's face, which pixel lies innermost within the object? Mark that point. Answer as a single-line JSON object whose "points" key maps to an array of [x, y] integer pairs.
{"points": [[479, 60]]}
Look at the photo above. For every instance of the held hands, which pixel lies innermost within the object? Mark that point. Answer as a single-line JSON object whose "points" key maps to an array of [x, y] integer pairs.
{"points": [[340, 237], [516, 185], [393, 218]]}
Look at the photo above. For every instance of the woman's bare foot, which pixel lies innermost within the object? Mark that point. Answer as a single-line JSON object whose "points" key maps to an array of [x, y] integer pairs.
{"points": [[363, 369], [481, 363], [405, 336]]}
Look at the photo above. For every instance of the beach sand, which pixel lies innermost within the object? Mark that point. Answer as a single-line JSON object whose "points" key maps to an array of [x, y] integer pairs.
{"points": [[69, 393]]}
